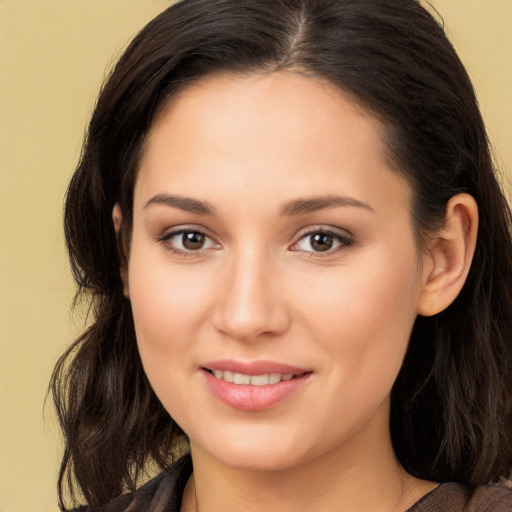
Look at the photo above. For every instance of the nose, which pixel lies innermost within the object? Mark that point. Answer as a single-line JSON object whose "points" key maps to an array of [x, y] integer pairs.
{"points": [[251, 303]]}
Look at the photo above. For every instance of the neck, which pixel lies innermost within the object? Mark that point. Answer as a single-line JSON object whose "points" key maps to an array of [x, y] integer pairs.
{"points": [[357, 476]]}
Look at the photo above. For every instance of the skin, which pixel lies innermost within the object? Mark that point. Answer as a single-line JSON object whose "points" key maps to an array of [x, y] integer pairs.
{"points": [[248, 147]]}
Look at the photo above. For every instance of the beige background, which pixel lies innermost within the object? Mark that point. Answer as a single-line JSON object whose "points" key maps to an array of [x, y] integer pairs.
{"points": [[52, 59]]}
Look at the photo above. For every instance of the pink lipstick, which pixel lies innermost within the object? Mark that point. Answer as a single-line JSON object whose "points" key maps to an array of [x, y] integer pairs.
{"points": [[253, 386]]}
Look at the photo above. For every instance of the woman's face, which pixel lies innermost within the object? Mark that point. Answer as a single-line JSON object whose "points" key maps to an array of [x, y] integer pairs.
{"points": [[272, 246]]}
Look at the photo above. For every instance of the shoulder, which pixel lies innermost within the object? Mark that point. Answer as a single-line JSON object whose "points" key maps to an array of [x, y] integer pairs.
{"points": [[453, 497], [164, 492], [492, 498]]}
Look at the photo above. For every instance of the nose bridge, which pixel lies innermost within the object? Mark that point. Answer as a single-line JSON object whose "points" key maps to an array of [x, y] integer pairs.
{"points": [[250, 303]]}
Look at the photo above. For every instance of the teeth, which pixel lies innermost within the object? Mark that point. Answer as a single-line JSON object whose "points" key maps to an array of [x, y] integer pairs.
{"points": [[253, 380], [228, 376], [240, 378], [260, 380], [274, 378]]}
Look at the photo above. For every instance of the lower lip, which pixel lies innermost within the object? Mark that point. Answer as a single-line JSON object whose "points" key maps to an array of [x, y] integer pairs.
{"points": [[253, 398]]}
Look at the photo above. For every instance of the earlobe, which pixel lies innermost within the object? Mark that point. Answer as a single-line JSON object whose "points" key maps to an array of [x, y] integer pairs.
{"points": [[448, 256], [117, 219]]}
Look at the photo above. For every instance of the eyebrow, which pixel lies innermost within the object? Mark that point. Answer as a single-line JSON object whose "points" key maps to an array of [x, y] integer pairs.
{"points": [[296, 207], [186, 204], [307, 205]]}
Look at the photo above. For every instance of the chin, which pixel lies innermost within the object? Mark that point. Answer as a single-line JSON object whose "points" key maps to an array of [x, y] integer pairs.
{"points": [[262, 451], [256, 460]]}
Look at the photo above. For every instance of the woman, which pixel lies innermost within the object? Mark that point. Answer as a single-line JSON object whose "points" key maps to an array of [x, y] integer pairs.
{"points": [[287, 223]]}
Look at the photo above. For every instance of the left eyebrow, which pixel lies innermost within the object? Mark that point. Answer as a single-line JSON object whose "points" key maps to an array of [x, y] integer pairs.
{"points": [[186, 204], [307, 205]]}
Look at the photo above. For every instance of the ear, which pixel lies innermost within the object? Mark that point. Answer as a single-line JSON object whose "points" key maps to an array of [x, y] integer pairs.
{"points": [[448, 255], [117, 219]]}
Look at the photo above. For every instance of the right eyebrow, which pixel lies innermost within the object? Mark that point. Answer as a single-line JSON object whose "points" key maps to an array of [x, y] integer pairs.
{"points": [[307, 205], [186, 204]]}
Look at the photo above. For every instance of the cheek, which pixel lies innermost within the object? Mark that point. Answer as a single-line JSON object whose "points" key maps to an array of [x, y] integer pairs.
{"points": [[167, 306], [167, 303], [364, 315]]}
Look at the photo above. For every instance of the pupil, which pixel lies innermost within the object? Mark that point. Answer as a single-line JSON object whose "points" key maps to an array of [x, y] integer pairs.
{"points": [[321, 242], [193, 241]]}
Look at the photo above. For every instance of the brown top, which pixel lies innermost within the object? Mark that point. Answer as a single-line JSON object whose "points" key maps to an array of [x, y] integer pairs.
{"points": [[452, 497], [164, 492]]}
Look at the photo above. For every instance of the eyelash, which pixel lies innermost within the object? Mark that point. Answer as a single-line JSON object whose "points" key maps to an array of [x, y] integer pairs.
{"points": [[342, 241], [165, 241]]}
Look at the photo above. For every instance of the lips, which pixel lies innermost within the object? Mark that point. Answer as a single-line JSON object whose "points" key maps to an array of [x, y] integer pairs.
{"points": [[253, 386]]}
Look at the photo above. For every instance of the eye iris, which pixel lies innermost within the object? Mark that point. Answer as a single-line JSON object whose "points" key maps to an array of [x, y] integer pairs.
{"points": [[321, 242], [193, 241]]}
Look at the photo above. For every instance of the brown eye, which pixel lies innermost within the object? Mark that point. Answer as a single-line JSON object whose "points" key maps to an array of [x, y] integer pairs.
{"points": [[185, 242], [321, 242], [193, 240]]}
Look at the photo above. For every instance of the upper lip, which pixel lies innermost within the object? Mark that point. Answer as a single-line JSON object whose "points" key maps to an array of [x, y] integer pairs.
{"points": [[260, 367]]}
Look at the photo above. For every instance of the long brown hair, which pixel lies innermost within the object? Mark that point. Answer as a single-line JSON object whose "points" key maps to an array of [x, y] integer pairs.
{"points": [[451, 404]]}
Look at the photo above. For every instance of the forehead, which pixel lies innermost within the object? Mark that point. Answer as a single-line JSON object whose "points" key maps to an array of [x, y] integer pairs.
{"points": [[260, 129], [293, 94]]}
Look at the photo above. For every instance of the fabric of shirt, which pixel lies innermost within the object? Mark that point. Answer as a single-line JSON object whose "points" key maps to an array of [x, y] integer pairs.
{"points": [[164, 494]]}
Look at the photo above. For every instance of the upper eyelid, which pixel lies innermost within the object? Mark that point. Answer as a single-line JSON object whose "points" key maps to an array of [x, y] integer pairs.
{"points": [[177, 230], [341, 232]]}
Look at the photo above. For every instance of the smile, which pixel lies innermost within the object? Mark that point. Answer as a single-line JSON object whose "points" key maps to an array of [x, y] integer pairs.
{"points": [[254, 386], [252, 380]]}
